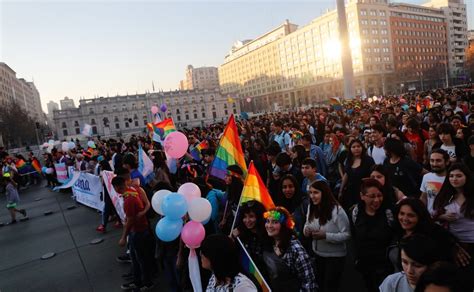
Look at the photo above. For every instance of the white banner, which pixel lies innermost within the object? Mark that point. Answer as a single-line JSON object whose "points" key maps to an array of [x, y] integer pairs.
{"points": [[87, 189], [117, 200]]}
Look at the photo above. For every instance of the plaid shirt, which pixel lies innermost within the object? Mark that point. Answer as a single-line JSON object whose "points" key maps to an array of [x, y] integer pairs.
{"points": [[300, 265]]}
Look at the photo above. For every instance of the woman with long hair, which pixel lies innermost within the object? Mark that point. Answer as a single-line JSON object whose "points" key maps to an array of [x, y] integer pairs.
{"points": [[290, 195], [412, 217], [259, 158], [250, 229], [288, 264], [429, 143], [220, 255], [328, 225], [392, 194], [454, 207], [356, 167]]}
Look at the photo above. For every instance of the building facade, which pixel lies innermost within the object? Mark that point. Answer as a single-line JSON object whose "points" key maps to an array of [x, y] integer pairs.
{"points": [[291, 66], [125, 115], [52, 106], [200, 78], [23, 93], [67, 103]]}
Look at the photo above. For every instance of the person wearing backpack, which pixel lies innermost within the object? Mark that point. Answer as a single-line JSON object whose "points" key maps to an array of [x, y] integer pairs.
{"points": [[371, 222]]}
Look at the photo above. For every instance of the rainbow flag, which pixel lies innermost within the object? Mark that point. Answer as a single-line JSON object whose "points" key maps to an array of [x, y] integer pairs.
{"points": [[251, 269], [336, 103], [20, 165], [163, 128], [228, 152], [36, 165], [196, 152], [254, 189]]}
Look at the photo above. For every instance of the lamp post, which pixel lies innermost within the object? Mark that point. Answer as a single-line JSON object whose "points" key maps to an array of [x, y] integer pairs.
{"points": [[346, 58]]}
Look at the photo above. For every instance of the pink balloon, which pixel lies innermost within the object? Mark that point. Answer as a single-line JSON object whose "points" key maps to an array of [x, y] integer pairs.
{"points": [[193, 234], [154, 109], [190, 191], [176, 145]]}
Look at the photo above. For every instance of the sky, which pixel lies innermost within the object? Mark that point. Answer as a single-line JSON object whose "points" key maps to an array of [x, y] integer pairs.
{"points": [[104, 48]]}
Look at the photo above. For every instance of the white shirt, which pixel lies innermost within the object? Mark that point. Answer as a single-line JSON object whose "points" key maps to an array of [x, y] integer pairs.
{"points": [[431, 184], [396, 283], [378, 154], [450, 149]]}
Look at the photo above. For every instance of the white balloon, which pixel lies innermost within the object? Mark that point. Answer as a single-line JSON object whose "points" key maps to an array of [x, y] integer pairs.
{"points": [[157, 200], [190, 191], [49, 170], [200, 209], [91, 144], [65, 146], [56, 143], [51, 142], [72, 145], [45, 145]]}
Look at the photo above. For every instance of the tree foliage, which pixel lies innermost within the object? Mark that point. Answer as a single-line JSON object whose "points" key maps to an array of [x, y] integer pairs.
{"points": [[16, 127]]}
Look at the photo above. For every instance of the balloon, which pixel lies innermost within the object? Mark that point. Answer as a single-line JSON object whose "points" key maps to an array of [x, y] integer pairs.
{"points": [[176, 145], [51, 142], [154, 109], [72, 145], [163, 108], [65, 146], [49, 170], [56, 143], [168, 229], [174, 206], [44, 169], [193, 234], [91, 144], [157, 200], [45, 145], [190, 191], [199, 209], [248, 99]]}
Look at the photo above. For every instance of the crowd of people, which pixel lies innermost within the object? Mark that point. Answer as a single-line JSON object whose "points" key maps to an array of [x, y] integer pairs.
{"points": [[388, 180]]}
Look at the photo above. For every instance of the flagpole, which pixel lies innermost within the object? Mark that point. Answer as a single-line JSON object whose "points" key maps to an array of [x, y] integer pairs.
{"points": [[238, 206], [253, 263]]}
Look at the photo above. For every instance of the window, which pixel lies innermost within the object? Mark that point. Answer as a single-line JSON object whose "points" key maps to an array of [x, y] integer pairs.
{"points": [[203, 114], [117, 126], [65, 132], [94, 130], [214, 115], [187, 117], [63, 125], [92, 121], [78, 131], [76, 124], [136, 123], [126, 125], [179, 118], [91, 110], [363, 12]]}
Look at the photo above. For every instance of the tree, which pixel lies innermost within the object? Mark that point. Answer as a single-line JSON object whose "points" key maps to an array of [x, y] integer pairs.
{"points": [[16, 127]]}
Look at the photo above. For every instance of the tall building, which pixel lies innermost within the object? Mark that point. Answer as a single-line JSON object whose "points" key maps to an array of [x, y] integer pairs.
{"points": [[20, 91], [52, 106], [456, 20], [200, 78], [67, 103], [125, 115], [292, 66]]}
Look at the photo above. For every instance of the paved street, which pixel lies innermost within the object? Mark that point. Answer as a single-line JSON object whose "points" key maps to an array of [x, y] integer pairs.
{"points": [[78, 265]]}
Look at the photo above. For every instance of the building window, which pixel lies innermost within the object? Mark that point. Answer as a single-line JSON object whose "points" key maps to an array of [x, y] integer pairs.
{"points": [[63, 125], [92, 121], [117, 126], [65, 132], [94, 130], [203, 115], [78, 131], [136, 123], [187, 117], [126, 125], [179, 118], [214, 115], [195, 115], [76, 124]]}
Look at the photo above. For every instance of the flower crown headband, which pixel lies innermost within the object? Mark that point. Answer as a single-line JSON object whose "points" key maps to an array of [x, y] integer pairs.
{"points": [[280, 217]]}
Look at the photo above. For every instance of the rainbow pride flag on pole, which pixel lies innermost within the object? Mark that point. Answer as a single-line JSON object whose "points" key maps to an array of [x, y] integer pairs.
{"points": [[251, 269], [36, 165], [255, 189], [228, 152], [20, 165], [196, 152], [163, 128]]}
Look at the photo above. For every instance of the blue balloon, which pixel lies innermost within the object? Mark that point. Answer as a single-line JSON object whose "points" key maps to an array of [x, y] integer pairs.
{"points": [[168, 229], [43, 169], [174, 206]]}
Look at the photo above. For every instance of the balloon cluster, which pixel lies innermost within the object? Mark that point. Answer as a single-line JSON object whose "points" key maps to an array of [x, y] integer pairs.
{"points": [[174, 207], [65, 146]]}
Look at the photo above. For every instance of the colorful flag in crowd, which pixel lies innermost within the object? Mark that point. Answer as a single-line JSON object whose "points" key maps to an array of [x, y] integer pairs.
{"points": [[336, 103], [145, 165], [21, 165], [36, 165], [196, 152], [163, 128], [228, 152], [255, 189], [250, 268], [87, 130]]}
